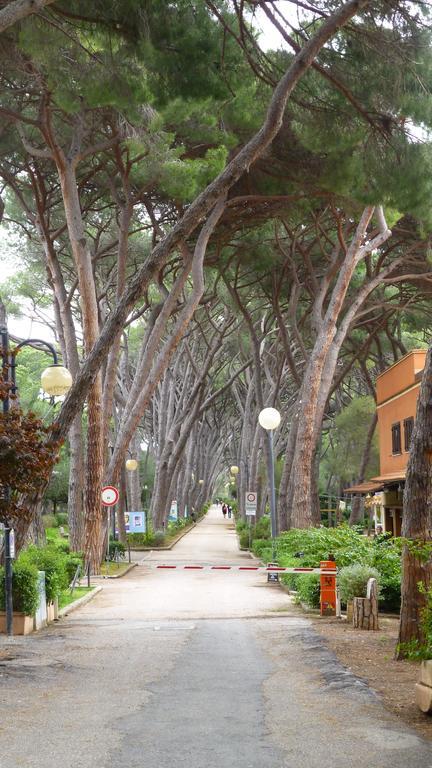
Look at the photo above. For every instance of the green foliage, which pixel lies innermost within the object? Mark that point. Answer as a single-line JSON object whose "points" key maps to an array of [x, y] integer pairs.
{"points": [[73, 560], [117, 547], [353, 580], [318, 544], [344, 443], [53, 562], [310, 546], [50, 521], [415, 650], [386, 558], [25, 593], [253, 533], [308, 590]]}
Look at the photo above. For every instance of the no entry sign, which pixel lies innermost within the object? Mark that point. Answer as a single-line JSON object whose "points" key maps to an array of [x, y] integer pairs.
{"points": [[251, 503], [110, 496]]}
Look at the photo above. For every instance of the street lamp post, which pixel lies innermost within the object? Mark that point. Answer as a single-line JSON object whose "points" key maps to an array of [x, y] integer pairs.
{"points": [[55, 381], [269, 419]]}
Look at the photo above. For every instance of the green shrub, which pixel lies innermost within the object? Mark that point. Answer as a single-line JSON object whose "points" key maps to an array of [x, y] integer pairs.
{"points": [[308, 589], [117, 546], [61, 544], [50, 521], [415, 650], [138, 538], [73, 560], [25, 593], [244, 538], [158, 538], [386, 558], [53, 562], [353, 580], [62, 518], [262, 528]]}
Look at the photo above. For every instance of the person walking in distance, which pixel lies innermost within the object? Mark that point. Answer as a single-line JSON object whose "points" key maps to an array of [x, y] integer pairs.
{"points": [[224, 509], [229, 510]]}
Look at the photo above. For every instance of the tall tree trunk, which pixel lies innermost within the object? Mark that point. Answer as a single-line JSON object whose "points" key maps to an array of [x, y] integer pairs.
{"points": [[94, 524], [417, 516]]}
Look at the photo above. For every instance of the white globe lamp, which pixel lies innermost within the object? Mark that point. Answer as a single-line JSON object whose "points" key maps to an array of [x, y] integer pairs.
{"points": [[269, 418], [56, 380]]}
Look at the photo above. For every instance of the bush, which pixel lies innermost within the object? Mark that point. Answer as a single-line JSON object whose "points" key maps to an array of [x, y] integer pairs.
{"points": [[25, 593], [353, 580], [117, 546], [72, 562], [61, 544], [386, 558], [308, 589], [53, 562], [415, 650], [62, 518], [262, 528], [50, 521], [158, 538]]}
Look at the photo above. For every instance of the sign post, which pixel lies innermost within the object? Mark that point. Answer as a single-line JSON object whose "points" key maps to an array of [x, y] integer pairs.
{"points": [[110, 497], [251, 503], [250, 508]]}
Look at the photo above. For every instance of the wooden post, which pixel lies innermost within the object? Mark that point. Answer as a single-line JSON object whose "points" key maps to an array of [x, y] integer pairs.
{"points": [[365, 609]]}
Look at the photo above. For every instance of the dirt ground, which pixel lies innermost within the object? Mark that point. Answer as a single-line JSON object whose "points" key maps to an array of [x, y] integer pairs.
{"points": [[370, 655]]}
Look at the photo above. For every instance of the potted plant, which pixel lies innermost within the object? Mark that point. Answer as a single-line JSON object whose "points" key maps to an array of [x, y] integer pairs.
{"points": [[25, 597]]}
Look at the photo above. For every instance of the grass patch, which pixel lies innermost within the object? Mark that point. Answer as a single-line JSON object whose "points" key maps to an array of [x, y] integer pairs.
{"points": [[113, 569], [66, 598]]}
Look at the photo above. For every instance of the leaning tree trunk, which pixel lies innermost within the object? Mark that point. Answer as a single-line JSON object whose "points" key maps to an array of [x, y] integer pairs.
{"points": [[417, 518], [76, 487]]}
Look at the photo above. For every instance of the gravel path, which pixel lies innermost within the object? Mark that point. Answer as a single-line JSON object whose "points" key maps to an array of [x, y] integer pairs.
{"points": [[200, 669]]}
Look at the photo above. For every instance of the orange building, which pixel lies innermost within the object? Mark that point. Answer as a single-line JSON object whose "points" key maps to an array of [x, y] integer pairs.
{"points": [[397, 391]]}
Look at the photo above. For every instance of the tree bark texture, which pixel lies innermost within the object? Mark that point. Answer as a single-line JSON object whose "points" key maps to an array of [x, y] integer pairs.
{"points": [[365, 609], [417, 515], [19, 9]]}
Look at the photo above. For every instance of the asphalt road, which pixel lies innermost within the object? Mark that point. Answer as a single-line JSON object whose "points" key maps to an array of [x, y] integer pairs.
{"points": [[203, 669]]}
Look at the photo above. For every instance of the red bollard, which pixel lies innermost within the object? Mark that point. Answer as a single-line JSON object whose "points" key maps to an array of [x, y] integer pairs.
{"points": [[328, 589]]}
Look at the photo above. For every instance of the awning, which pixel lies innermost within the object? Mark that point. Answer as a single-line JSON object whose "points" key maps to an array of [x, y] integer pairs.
{"points": [[370, 486], [391, 477]]}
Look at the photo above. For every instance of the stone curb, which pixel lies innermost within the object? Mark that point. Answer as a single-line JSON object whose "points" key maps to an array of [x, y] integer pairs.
{"points": [[115, 575], [78, 603]]}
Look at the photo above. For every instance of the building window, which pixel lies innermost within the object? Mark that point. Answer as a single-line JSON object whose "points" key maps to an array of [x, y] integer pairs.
{"points": [[408, 430], [396, 438]]}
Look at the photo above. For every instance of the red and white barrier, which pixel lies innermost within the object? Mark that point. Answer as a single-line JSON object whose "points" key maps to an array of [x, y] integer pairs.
{"points": [[256, 568]]}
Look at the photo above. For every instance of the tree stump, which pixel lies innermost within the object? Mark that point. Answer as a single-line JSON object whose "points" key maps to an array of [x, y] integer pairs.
{"points": [[365, 609]]}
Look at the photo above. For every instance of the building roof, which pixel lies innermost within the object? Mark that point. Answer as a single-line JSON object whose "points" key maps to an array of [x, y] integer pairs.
{"points": [[391, 477], [370, 486]]}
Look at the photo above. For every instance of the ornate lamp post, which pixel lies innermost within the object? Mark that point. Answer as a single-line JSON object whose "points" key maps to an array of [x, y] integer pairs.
{"points": [[269, 419], [55, 381]]}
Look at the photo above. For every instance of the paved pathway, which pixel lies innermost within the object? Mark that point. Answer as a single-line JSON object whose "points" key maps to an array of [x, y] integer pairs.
{"points": [[199, 669]]}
